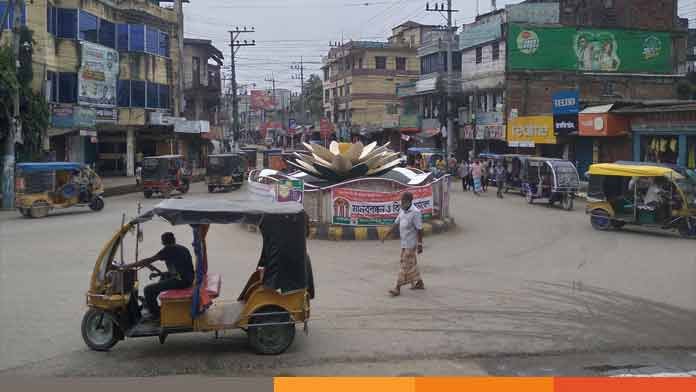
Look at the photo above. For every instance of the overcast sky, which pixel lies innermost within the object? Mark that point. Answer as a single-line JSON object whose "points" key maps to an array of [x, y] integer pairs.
{"points": [[289, 29]]}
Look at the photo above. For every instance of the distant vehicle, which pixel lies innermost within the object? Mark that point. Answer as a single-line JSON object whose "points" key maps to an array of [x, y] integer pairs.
{"points": [[43, 186], [225, 171], [164, 174], [554, 180]]}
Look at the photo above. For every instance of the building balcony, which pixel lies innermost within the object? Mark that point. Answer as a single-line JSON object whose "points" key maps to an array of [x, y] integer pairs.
{"points": [[139, 8]]}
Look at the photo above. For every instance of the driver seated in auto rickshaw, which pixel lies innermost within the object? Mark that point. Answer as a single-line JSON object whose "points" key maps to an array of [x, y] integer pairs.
{"points": [[544, 185], [179, 273]]}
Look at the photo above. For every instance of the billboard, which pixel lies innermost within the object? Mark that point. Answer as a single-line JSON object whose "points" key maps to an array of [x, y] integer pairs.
{"points": [[98, 76], [480, 32], [529, 131], [566, 102], [261, 101], [590, 50]]}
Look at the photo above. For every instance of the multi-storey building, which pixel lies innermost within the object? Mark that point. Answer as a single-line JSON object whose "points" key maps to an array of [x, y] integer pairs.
{"points": [[578, 54], [111, 72], [202, 93], [360, 80]]}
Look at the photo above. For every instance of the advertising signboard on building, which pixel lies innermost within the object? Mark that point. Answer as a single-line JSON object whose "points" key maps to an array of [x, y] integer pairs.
{"points": [[367, 208], [482, 31], [528, 131], [260, 100], [566, 105], [69, 116], [98, 76], [489, 125], [590, 50]]}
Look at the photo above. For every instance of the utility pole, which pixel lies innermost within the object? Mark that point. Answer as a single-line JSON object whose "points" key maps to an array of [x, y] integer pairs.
{"points": [[451, 137], [234, 47], [272, 80], [15, 132], [300, 67]]}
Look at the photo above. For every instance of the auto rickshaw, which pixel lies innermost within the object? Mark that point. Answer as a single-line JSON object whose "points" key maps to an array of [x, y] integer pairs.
{"points": [[554, 180], [41, 187], [514, 164], [650, 196], [274, 299], [225, 171], [164, 174], [251, 156]]}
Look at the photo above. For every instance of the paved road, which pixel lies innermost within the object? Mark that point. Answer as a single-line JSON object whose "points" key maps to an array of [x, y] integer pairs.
{"points": [[514, 280]]}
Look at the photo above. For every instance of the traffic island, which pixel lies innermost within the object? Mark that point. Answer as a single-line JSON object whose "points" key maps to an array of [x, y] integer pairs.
{"points": [[329, 232]]}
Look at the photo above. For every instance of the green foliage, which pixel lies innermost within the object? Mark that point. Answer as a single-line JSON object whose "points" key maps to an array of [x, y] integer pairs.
{"points": [[34, 112], [314, 97]]}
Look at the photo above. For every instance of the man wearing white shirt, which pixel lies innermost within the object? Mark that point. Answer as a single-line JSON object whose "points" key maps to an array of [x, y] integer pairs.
{"points": [[411, 232]]}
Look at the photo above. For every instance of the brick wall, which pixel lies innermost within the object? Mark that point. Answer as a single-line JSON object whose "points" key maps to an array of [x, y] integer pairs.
{"points": [[531, 94], [630, 14]]}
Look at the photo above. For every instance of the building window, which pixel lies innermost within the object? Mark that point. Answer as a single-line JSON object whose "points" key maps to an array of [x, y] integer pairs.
{"points": [[52, 19], [52, 84], [137, 94], [124, 93], [137, 38], [67, 87], [164, 96], [152, 95], [196, 70], [107, 33], [496, 51], [326, 74], [122, 31], [340, 91], [89, 25], [10, 17], [381, 62], [347, 89], [327, 95], [163, 44], [152, 43], [479, 55], [360, 63], [401, 63], [67, 23]]}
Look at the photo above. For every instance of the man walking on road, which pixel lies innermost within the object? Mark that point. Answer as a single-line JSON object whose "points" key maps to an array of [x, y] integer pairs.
{"points": [[463, 172], [476, 173], [411, 232], [500, 178]]}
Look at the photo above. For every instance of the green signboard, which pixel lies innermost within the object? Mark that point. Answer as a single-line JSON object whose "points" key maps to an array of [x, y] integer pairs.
{"points": [[589, 50]]}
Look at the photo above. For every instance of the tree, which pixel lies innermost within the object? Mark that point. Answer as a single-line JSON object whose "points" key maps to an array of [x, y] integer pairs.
{"points": [[34, 111], [314, 97]]}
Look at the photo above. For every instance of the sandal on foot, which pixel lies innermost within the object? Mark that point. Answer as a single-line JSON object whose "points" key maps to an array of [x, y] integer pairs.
{"points": [[418, 286], [394, 293]]}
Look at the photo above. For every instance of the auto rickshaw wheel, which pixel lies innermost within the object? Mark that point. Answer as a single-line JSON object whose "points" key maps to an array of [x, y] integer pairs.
{"points": [[97, 204], [600, 220], [684, 230], [211, 189], [185, 188], [39, 209], [530, 197], [568, 202], [99, 331], [26, 212], [271, 339], [147, 194]]}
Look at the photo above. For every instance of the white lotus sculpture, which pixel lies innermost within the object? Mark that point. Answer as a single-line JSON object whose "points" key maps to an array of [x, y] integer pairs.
{"points": [[345, 161]]}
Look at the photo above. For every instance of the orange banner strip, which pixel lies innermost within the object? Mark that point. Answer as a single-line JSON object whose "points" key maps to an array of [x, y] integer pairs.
{"points": [[344, 384], [484, 384], [633, 384]]}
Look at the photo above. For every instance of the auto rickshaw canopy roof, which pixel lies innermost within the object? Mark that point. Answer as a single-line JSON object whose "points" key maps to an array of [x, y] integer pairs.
{"points": [[34, 167], [205, 212], [619, 170], [283, 226]]}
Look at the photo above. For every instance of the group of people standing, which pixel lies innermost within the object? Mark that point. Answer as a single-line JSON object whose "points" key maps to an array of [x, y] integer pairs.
{"points": [[477, 174]]}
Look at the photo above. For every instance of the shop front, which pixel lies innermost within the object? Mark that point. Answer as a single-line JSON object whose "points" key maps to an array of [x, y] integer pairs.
{"points": [[604, 136], [664, 134], [533, 135], [490, 132], [72, 135]]}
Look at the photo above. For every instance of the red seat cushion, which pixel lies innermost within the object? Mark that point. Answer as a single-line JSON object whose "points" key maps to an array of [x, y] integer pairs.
{"points": [[214, 285]]}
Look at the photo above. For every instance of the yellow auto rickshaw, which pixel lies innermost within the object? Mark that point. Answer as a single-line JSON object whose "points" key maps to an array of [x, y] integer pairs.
{"points": [[650, 196], [43, 186], [274, 299]]}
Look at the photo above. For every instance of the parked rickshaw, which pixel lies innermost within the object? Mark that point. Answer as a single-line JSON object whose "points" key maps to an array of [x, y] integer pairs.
{"points": [[429, 157], [164, 174], [651, 196], [274, 299], [554, 180], [225, 171], [251, 154], [42, 187]]}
